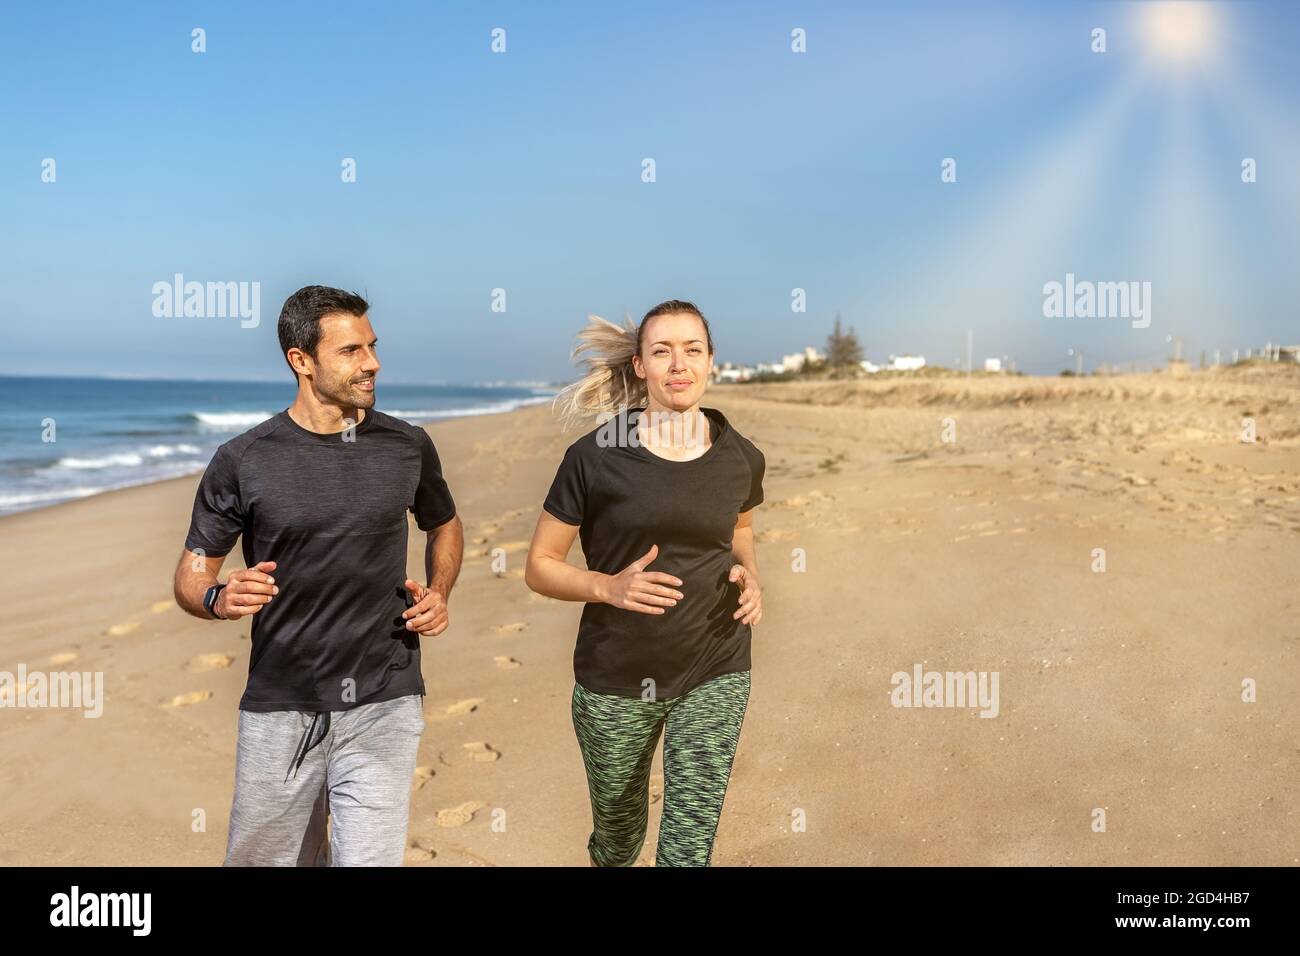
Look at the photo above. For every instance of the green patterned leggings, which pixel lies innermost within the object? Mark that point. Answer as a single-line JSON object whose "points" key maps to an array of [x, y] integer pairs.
{"points": [[618, 736]]}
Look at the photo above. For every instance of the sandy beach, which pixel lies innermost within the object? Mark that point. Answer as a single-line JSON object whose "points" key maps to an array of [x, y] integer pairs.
{"points": [[882, 545]]}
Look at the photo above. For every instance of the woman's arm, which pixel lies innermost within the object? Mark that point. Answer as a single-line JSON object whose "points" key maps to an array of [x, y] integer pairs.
{"points": [[548, 571], [634, 589], [742, 542], [745, 570]]}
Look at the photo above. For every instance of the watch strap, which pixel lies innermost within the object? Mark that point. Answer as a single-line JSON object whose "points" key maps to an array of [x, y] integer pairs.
{"points": [[210, 600]]}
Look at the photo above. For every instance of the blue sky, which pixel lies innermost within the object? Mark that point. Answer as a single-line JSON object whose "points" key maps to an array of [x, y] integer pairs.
{"points": [[522, 171]]}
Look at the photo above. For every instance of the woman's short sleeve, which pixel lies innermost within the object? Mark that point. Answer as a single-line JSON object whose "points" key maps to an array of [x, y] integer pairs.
{"points": [[757, 467], [567, 499]]}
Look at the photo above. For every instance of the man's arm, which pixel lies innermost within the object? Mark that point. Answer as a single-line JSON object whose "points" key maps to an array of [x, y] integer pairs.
{"points": [[444, 548], [194, 575], [245, 592]]}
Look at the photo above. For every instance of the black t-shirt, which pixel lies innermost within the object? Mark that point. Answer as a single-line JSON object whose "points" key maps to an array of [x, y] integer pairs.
{"points": [[330, 510], [625, 498]]}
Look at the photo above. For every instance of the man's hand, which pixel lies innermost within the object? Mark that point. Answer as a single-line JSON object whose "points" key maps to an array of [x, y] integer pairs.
{"points": [[751, 596], [428, 617], [246, 591]]}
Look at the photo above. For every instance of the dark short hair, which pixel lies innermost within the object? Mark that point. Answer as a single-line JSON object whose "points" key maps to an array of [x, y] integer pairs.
{"points": [[299, 325], [671, 307]]}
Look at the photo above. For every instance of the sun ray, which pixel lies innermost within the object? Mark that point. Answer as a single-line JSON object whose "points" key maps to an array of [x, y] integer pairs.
{"points": [[1020, 229]]}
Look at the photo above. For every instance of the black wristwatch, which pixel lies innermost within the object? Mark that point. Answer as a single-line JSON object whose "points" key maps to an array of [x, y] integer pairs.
{"points": [[210, 600]]}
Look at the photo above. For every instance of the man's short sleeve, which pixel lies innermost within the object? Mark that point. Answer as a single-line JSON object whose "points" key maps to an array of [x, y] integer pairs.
{"points": [[218, 516], [757, 467], [567, 499], [433, 504]]}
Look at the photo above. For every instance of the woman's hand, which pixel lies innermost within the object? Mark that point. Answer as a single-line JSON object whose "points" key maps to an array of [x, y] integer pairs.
{"points": [[751, 595], [636, 589]]}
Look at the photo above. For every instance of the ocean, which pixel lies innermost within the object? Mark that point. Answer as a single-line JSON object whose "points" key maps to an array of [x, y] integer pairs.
{"points": [[65, 438]]}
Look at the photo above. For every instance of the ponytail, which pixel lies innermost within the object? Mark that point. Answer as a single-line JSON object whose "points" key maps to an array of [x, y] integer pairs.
{"points": [[610, 382]]}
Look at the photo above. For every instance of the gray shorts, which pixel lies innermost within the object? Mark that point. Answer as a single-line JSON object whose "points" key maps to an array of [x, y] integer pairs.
{"points": [[292, 769]]}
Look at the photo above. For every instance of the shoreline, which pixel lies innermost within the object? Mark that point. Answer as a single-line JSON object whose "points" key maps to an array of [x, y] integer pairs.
{"points": [[451, 415]]}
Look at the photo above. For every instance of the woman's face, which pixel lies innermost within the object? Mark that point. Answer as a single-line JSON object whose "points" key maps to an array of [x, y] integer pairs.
{"points": [[674, 360]]}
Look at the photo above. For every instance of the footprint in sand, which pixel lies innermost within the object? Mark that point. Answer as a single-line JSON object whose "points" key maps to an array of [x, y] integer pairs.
{"points": [[507, 663], [209, 662], [187, 700], [117, 630], [515, 628], [815, 499], [421, 849], [423, 774], [459, 816], [462, 707], [417, 854], [66, 657], [480, 751]]}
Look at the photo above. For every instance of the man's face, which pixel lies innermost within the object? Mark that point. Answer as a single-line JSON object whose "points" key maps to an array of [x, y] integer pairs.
{"points": [[346, 362]]}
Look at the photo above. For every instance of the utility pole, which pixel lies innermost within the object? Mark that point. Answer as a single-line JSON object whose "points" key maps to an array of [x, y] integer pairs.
{"points": [[970, 343], [1178, 347]]}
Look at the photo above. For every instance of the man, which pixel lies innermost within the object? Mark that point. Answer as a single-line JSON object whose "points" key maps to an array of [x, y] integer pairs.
{"points": [[331, 718]]}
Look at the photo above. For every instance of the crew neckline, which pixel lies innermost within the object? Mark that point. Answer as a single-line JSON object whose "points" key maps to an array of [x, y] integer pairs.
{"points": [[326, 438], [716, 435]]}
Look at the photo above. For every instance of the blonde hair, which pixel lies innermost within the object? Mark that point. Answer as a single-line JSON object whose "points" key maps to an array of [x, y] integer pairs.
{"points": [[610, 382]]}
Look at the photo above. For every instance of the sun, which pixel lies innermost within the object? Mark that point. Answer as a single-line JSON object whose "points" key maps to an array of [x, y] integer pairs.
{"points": [[1178, 31]]}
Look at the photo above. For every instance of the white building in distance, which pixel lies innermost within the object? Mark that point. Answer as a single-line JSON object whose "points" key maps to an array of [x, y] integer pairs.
{"points": [[796, 362], [905, 363]]}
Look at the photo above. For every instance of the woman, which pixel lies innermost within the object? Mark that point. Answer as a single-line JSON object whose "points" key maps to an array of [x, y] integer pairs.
{"points": [[662, 495]]}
